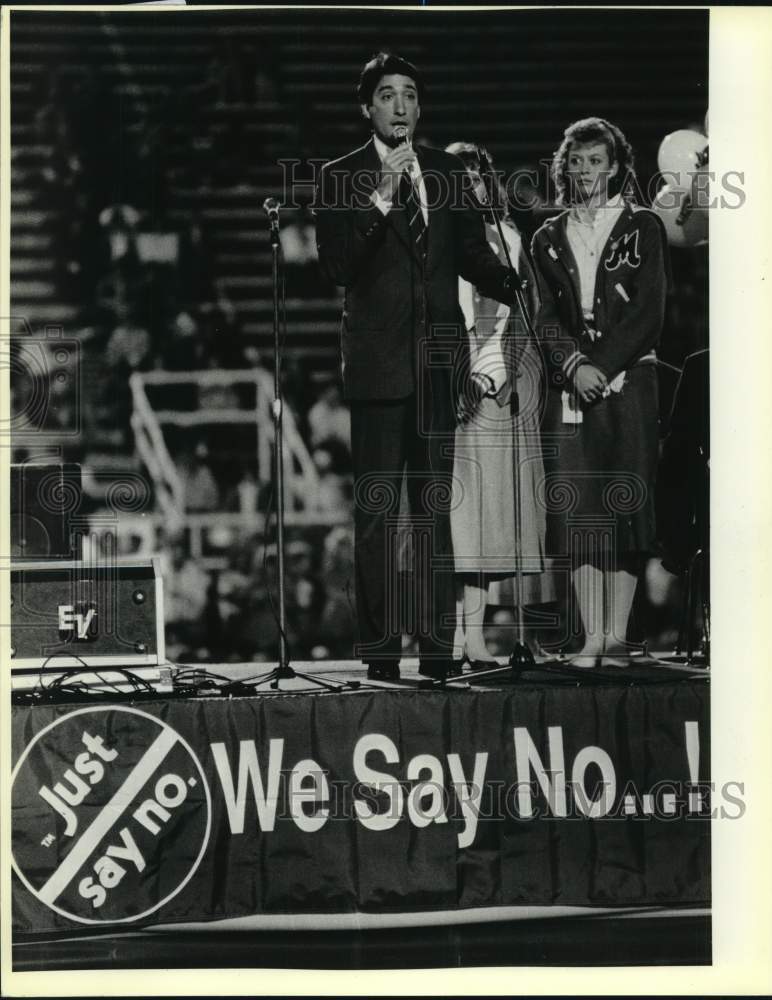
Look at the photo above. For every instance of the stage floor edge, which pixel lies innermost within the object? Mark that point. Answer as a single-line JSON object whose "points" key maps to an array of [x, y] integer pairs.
{"points": [[537, 937], [438, 918]]}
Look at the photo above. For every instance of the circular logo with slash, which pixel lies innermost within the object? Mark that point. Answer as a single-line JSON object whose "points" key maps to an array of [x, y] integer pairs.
{"points": [[111, 815]]}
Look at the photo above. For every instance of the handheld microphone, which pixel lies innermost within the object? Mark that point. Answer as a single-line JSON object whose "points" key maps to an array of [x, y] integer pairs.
{"points": [[401, 135]]}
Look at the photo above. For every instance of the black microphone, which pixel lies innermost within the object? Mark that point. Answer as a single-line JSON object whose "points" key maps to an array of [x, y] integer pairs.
{"points": [[488, 175], [401, 135], [271, 207], [484, 168]]}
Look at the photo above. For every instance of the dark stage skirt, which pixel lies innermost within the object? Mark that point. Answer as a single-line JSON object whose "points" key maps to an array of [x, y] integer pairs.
{"points": [[600, 474]]}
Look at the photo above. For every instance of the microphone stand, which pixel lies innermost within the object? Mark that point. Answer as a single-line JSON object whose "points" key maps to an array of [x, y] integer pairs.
{"points": [[521, 657], [283, 671]]}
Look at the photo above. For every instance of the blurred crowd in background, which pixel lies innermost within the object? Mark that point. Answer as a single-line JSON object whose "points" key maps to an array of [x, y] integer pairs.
{"points": [[151, 292]]}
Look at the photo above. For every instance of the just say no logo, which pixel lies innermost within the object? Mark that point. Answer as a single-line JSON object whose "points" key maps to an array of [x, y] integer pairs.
{"points": [[101, 797]]}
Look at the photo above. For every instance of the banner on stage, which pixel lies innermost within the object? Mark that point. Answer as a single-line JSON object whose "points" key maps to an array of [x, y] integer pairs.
{"points": [[188, 810]]}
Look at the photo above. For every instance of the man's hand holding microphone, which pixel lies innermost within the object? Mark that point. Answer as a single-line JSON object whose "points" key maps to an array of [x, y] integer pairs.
{"points": [[397, 162]]}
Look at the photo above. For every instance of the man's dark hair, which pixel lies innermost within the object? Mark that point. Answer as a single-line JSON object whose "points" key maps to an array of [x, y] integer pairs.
{"points": [[384, 64]]}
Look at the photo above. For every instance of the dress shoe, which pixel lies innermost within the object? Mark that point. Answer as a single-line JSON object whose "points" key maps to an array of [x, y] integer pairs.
{"points": [[584, 661], [439, 669], [386, 670], [466, 660], [608, 660], [617, 655]]}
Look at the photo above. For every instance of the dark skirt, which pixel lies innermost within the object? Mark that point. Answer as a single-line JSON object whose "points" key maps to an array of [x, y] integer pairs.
{"points": [[598, 489]]}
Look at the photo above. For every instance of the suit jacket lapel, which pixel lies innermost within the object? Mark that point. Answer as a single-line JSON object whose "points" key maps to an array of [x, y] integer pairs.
{"points": [[370, 166]]}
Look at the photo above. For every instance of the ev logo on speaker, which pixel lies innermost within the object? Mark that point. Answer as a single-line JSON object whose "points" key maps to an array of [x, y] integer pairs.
{"points": [[111, 815], [78, 622]]}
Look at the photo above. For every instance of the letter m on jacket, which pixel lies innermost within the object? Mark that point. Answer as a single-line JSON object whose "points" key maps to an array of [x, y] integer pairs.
{"points": [[624, 251]]}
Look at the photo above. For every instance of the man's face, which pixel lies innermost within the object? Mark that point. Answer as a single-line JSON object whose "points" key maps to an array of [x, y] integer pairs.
{"points": [[395, 103], [589, 169]]}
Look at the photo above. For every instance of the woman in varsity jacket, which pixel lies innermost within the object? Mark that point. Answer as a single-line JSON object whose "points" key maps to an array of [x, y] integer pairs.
{"points": [[601, 266]]}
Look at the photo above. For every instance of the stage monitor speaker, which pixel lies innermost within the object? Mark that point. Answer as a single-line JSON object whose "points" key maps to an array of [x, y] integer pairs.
{"points": [[43, 500], [70, 614]]}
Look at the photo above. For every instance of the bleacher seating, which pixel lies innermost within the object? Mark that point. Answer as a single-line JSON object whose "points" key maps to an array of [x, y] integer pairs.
{"points": [[509, 80], [214, 101]]}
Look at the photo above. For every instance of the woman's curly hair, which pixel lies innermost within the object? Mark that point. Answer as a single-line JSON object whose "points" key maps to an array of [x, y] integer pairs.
{"points": [[590, 131]]}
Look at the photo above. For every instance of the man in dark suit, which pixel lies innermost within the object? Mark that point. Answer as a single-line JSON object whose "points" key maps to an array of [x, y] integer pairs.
{"points": [[396, 226]]}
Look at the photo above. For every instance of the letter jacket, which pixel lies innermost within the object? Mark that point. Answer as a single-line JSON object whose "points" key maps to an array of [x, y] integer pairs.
{"points": [[629, 302]]}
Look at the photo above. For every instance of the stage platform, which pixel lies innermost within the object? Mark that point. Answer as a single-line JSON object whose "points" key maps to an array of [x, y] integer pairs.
{"points": [[555, 817], [651, 668], [58, 683]]}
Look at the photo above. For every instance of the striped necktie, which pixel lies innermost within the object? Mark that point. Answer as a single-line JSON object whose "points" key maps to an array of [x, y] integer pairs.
{"points": [[415, 216]]}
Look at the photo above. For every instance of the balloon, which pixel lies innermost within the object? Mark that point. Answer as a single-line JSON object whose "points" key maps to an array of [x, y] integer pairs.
{"points": [[685, 225], [679, 154]]}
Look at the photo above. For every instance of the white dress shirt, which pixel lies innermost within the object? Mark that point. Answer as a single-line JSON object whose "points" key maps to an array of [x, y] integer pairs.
{"points": [[587, 240], [415, 175]]}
